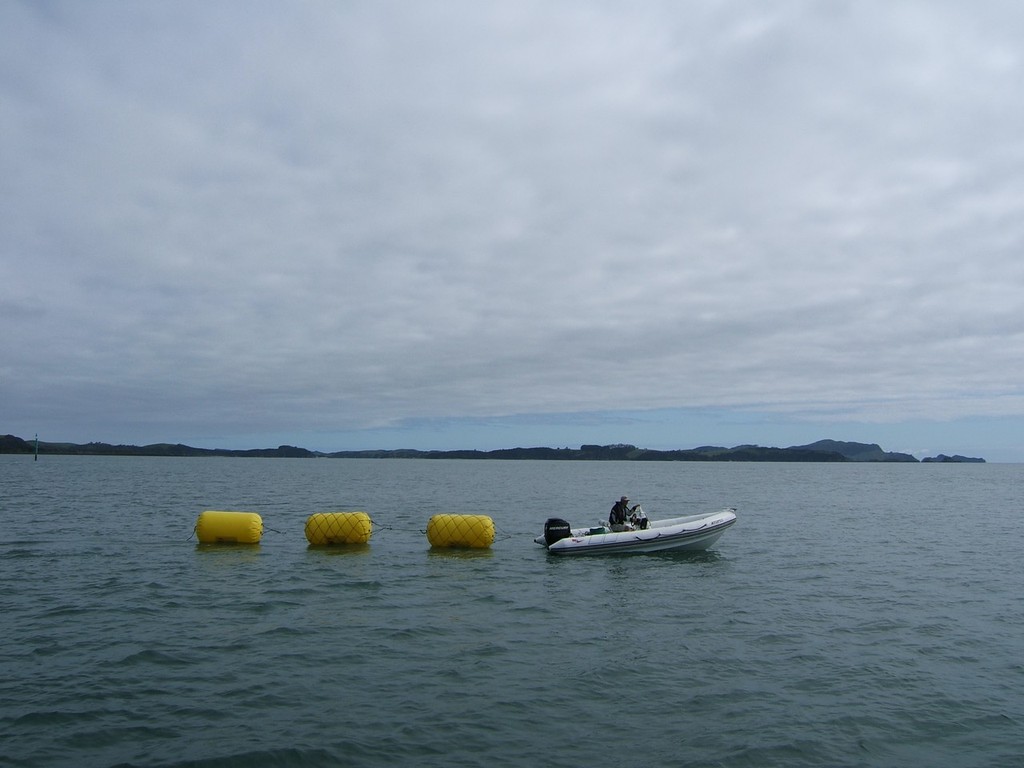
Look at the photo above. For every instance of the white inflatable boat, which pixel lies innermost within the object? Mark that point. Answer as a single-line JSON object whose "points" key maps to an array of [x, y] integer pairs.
{"points": [[692, 532]]}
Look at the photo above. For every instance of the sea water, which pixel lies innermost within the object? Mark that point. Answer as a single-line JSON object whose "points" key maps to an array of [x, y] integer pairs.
{"points": [[855, 615]]}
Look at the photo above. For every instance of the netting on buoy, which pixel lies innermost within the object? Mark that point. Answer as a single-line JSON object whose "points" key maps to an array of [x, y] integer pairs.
{"points": [[338, 528], [474, 531], [216, 527]]}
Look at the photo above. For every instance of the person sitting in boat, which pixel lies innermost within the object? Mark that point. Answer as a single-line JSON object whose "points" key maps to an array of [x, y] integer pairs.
{"points": [[618, 518]]}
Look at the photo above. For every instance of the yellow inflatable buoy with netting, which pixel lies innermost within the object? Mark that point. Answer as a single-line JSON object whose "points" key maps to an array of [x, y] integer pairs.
{"points": [[338, 528], [474, 531], [216, 527]]}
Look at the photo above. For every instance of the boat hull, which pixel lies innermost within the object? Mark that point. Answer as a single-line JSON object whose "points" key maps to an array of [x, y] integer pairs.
{"points": [[692, 533]]}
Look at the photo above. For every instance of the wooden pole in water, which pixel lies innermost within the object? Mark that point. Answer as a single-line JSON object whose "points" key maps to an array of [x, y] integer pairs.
{"points": [[37, 448]]}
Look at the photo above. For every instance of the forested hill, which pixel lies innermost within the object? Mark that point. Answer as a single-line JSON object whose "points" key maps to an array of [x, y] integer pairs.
{"points": [[823, 450], [12, 444]]}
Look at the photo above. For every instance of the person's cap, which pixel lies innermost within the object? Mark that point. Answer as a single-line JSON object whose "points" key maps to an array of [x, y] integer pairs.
{"points": [[624, 498]]}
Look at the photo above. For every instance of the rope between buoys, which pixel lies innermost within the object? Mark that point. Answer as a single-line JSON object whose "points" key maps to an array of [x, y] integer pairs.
{"points": [[504, 534]]}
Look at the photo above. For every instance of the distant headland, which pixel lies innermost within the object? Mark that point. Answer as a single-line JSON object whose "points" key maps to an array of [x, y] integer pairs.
{"points": [[821, 451]]}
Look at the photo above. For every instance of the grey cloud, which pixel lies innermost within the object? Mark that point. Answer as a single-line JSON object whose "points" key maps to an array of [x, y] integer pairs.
{"points": [[362, 214]]}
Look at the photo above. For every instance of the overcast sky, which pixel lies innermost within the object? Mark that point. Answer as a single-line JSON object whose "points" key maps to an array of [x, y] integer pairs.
{"points": [[480, 225]]}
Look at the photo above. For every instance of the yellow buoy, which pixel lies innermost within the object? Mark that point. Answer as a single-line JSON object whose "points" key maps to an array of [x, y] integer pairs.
{"points": [[214, 527], [339, 528], [475, 531]]}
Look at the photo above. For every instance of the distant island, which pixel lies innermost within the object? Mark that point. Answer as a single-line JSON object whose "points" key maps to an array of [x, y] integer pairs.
{"points": [[957, 459], [822, 450]]}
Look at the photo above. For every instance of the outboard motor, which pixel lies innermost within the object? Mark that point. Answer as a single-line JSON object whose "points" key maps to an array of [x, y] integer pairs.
{"points": [[556, 530]]}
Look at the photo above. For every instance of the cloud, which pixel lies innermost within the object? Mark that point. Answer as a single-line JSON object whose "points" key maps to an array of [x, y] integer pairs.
{"points": [[248, 218]]}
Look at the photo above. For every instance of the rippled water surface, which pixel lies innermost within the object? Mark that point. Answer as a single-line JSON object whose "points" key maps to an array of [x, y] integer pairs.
{"points": [[856, 615]]}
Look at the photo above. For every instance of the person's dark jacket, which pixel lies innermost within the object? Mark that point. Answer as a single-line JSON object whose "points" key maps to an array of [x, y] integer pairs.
{"points": [[619, 513]]}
